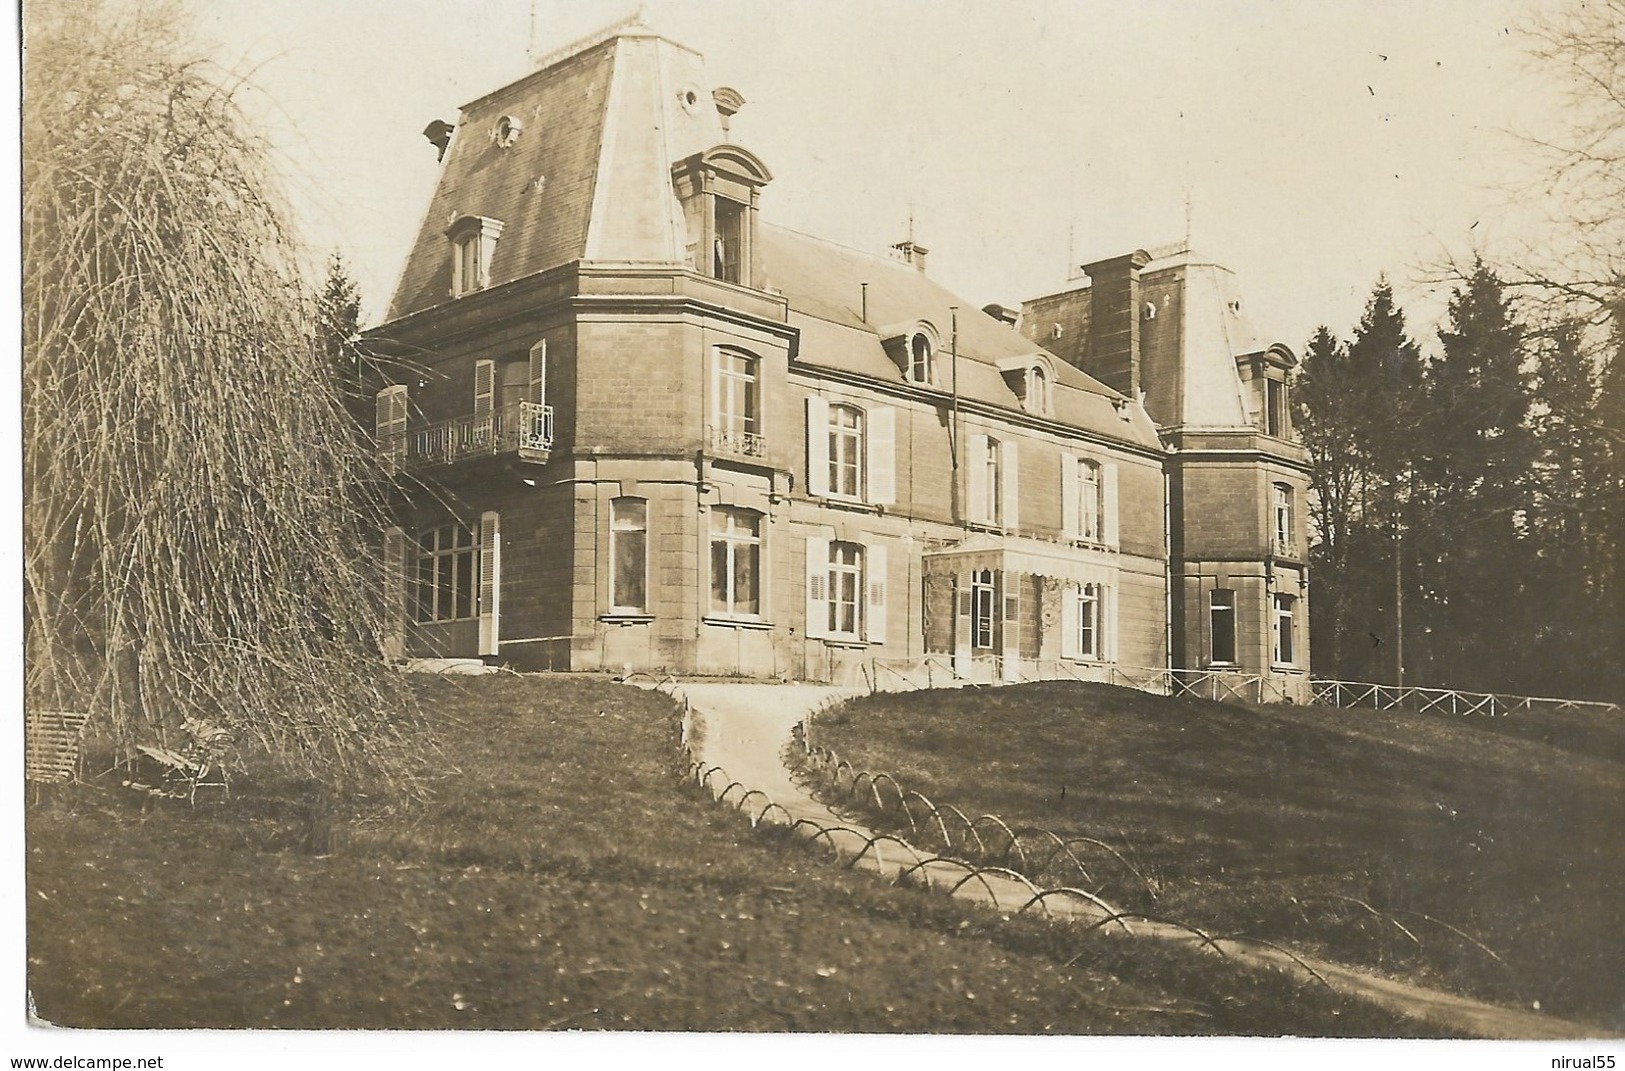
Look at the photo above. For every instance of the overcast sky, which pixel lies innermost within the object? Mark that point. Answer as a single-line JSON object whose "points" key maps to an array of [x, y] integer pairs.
{"points": [[1317, 144]]}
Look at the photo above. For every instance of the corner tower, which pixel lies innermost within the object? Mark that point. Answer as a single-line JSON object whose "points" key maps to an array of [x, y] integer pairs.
{"points": [[1172, 330]]}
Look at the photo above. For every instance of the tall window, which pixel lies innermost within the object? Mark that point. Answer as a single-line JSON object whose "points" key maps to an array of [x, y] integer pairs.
{"points": [[629, 554], [1282, 511], [1284, 654], [447, 574], [992, 485], [845, 589], [738, 403], [473, 241], [981, 609], [1090, 621], [736, 558], [727, 257], [920, 359], [1222, 625], [467, 269], [1038, 392], [846, 451], [1275, 408], [1089, 501]]}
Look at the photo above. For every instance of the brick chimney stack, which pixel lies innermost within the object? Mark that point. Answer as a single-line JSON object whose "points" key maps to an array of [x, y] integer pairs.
{"points": [[1114, 321]]}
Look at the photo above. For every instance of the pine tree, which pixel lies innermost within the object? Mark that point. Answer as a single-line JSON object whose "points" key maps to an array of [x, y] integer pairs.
{"points": [[338, 326], [1328, 393]]}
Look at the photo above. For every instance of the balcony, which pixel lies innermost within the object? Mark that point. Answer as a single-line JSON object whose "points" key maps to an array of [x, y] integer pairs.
{"points": [[738, 442], [523, 429]]}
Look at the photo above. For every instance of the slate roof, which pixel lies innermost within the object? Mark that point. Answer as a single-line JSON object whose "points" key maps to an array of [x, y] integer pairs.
{"points": [[821, 281]]}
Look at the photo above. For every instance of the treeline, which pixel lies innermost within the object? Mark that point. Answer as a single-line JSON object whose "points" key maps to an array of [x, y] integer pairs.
{"points": [[1469, 505]]}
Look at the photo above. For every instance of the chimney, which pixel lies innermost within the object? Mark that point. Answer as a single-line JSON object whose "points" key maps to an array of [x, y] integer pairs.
{"points": [[913, 252], [1114, 321]]}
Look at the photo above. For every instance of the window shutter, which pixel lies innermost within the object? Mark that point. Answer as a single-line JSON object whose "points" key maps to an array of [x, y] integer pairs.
{"points": [[484, 386], [1108, 494], [976, 481], [1069, 621], [881, 446], [490, 582], [538, 373], [395, 573], [817, 587], [389, 426], [817, 445], [1108, 623], [874, 575], [1008, 471]]}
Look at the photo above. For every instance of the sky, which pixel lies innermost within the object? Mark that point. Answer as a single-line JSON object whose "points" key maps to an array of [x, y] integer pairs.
{"points": [[1309, 146]]}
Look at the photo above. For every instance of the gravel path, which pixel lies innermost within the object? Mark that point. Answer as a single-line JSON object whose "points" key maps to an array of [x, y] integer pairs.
{"points": [[743, 729]]}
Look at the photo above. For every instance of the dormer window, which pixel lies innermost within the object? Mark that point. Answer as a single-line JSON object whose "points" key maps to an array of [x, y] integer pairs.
{"points": [[1031, 379], [921, 359], [719, 189], [1038, 392], [473, 242]]}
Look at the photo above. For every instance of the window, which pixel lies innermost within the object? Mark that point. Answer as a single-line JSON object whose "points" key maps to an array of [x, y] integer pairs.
{"points": [[736, 557], [1282, 513], [845, 589], [1275, 408], [992, 483], [629, 554], [728, 252], [738, 404], [1222, 626], [1283, 654], [851, 452], [990, 491], [920, 360], [981, 609], [389, 427], [473, 241], [1089, 631], [447, 574], [846, 451], [1088, 501]]}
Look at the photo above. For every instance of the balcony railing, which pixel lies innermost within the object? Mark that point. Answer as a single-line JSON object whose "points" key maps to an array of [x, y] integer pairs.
{"points": [[739, 442], [523, 428]]}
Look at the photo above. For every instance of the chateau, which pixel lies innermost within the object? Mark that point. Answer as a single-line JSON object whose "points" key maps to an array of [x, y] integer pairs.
{"points": [[637, 426]]}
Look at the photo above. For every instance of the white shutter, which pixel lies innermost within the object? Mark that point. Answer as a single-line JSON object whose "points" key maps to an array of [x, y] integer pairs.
{"points": [[1069, 621], [395, 613], [1071, 526], [389, 426], [484, 386], [538, 373], [817, 587], [1008, 471], [976, 480], [1108, 493], [1108, 623], [881, 446], [490, 582], [874, 576], [1010, 633], [817, 445]]}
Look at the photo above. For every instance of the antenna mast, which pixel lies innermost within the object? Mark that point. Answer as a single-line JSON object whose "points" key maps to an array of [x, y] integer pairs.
{"points": [[530, 40]]}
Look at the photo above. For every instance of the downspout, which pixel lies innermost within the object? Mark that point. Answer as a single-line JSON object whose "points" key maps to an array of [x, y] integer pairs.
{"points": [[953, 421], [1168, 569]]}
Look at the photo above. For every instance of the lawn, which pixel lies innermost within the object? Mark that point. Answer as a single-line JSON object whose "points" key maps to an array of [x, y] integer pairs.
{"points": [[562, 878], [1365, 836]]}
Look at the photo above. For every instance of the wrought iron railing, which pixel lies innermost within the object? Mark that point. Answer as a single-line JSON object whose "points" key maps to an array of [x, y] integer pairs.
{"points": [[523, 428], [739, 442]]}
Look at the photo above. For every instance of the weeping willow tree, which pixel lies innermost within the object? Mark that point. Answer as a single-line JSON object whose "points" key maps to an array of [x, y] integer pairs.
{"points": [[194, 543]]}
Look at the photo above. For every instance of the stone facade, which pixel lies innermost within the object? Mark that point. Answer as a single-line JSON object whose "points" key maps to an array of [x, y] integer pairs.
{"points": [[637, 427]]}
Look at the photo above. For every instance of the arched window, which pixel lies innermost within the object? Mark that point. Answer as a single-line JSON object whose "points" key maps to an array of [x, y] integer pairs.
{"points": [[736, 404], [845, 589], [1089, 501], [921, 359], [1281, 515], [1038, 391]]}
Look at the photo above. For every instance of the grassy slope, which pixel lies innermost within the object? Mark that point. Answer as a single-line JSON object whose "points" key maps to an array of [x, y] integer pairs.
{"points": [[1509, 833], [562, 879]]}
